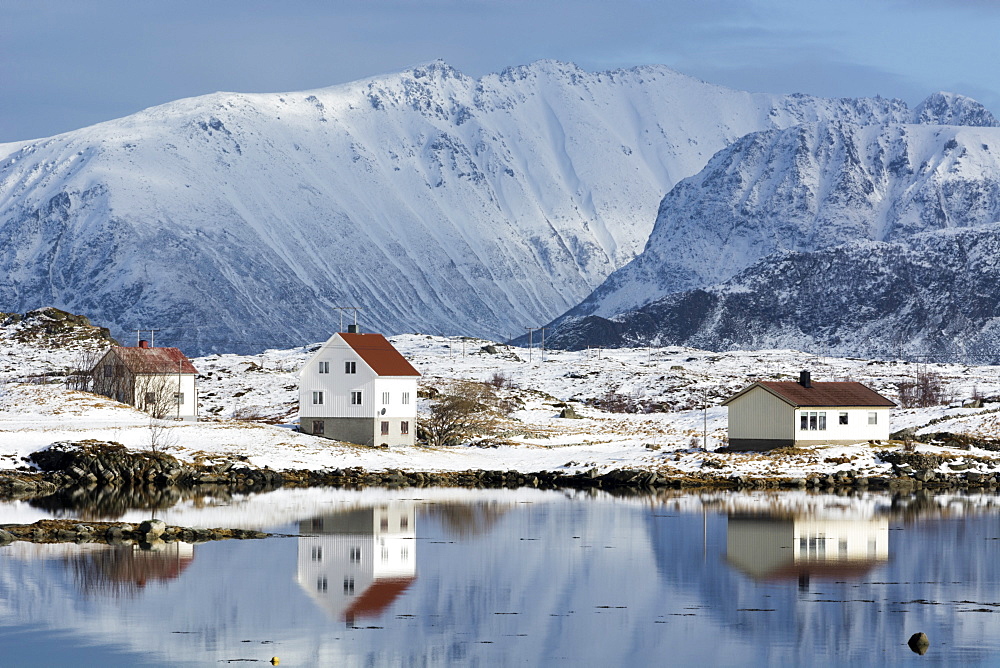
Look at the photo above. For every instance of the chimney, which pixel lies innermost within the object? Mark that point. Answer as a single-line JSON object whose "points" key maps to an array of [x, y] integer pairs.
{"points": [[805, 380], [352, 329], [144, 343]]}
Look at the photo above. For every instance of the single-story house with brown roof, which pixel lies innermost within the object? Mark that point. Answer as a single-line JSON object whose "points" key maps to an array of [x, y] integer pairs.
{"points": [[160, 381], [358, 388], [775, 414]]}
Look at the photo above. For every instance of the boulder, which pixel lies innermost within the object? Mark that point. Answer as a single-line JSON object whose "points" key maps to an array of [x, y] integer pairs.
{"points": [[153, 528], [919, 643], [569, 413]]}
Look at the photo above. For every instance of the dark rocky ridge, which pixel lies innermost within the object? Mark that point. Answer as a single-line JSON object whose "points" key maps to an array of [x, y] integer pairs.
{"points": [[938, 296]]}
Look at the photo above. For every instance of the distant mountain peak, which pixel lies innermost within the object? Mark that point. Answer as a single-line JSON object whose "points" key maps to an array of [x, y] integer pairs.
{"points": [[944, 108]]}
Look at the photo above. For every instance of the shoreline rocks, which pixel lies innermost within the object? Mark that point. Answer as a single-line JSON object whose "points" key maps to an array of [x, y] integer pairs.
{"points": [[148, 533]]}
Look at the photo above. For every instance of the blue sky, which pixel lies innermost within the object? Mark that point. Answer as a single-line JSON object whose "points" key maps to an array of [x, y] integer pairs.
{"points": [[65, 64]]}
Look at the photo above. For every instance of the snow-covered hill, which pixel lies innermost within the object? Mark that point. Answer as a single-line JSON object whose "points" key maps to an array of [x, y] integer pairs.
{"points": [[436, 201]]}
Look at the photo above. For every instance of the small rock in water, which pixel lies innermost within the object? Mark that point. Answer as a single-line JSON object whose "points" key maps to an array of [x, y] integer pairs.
{"points": [[919, 643], [154, 527]]}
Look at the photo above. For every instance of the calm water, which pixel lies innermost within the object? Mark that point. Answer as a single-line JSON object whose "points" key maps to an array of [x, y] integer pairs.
{"points": [[495, 578]]}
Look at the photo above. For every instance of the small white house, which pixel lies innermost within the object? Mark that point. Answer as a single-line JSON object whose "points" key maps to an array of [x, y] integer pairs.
{"points": [[358, 388], [779, 414], [160, 381]]}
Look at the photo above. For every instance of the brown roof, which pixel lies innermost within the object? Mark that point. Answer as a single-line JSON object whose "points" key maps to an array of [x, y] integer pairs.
{"points": [[820, 394], [378, 597], [379, 354], [154, 360]]}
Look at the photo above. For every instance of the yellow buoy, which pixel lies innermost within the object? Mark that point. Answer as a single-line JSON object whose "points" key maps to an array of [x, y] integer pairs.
{"points": [[275, 661]]}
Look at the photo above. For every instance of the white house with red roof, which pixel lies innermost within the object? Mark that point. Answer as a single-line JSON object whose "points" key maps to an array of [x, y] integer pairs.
{"points": [[358, 388], [160, 381], [775, 414], [356, 563]]}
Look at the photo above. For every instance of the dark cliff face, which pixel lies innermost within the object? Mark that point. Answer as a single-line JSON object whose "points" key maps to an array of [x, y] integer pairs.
{"points": [[938, 297]]}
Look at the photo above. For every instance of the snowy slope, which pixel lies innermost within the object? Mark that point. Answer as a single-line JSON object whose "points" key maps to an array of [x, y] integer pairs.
{"points": [[436, 201], [805, 188], [933, 296]]}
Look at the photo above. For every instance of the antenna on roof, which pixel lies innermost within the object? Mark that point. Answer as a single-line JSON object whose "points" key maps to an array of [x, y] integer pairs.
{"points": [[348, 308], [152, 337]]}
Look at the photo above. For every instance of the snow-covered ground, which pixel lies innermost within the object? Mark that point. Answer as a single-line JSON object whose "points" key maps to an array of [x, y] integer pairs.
{"points": [[684, 384]]}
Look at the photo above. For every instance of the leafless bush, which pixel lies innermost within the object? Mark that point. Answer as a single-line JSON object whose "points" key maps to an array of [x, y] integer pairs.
{"points": [[468, 410], [500, 380], [250, 414], [925, 390]]}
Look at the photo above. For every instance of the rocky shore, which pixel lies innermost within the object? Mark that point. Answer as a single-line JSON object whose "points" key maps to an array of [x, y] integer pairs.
{"points": [[109, 477], [147, 535]]}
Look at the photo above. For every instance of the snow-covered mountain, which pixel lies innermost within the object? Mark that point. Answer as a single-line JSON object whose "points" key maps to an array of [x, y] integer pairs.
{"points": [[933, 296], [805, 188], [436, 201]]}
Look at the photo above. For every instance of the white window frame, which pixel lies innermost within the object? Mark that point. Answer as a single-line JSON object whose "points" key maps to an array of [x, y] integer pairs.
{"points": [[324, 367], [317, 397], [872, 417], [356, 398], [350, 367], [406, 398], [812, 421], [385, 398], [178, 398]]}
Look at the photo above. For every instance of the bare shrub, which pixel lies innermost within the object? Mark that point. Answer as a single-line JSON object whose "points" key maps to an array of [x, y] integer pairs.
{"points": [[250, 414], [925, 390], [500, 380], [468, 410]]}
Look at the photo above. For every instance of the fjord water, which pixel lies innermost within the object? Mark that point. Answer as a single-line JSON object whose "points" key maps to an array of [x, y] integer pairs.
{"points": [[496, 577]]}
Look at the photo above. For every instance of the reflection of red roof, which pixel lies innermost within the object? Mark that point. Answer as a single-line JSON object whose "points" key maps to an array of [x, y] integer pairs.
{"points": [[379, 354], [155, 360], [820, 394], [378, 597]]}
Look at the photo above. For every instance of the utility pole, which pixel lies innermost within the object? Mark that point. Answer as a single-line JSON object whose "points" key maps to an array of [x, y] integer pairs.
{"points": [[531, 331], [704, 413], [543, 342]]}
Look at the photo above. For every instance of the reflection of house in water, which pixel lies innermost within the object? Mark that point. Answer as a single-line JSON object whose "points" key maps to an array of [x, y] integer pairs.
{"points": [[125, 570], [356, 563], [773, 548]]}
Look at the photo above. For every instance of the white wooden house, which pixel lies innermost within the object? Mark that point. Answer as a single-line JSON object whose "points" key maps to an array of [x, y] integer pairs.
{"points": [[160, 381], [778, 414], [358, 388]]}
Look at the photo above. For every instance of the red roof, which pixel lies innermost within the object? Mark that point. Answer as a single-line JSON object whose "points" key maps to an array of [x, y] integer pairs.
{"points": [[378, 597], [820, 394], [379, 354], [155, 360]]}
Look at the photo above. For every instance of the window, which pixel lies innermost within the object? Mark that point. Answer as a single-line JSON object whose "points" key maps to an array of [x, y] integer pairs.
{"points": [[356, 398], [383, 523], [109, 372], [385, 428], [406, 397], [404, 522], [321, 583], [843, 418], [317, 398], [324, 367], [348, 586], [355, 555], [350, 367], [319, 427], [178, 398], [385, 398], [404, 427], [872, 417], [150, 397], [812, 421], [317, 553]]}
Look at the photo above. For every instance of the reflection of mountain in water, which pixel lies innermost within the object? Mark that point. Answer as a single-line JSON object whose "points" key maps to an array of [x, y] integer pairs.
{"points": [[354, 564], [803, 548]]}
